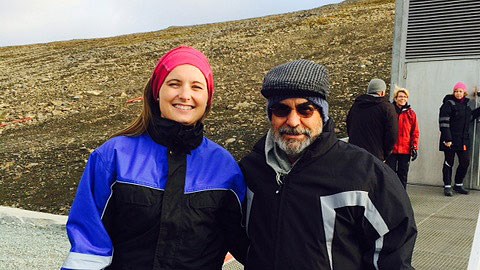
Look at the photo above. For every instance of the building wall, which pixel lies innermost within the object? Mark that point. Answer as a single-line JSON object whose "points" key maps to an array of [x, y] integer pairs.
{"points": [[430, 72], [428, 83]]}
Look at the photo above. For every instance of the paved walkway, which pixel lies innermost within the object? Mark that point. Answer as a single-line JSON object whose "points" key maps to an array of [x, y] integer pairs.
{"points": [[446, 227]]}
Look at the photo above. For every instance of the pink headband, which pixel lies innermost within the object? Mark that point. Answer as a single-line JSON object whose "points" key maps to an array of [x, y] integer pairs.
{"points": [[181, 56], [460, 85]]}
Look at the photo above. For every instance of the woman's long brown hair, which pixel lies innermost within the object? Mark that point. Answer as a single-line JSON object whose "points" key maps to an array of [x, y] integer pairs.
{"points": [[140, 124]]}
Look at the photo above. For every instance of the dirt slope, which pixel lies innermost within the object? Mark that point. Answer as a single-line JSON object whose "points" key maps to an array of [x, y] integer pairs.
{"points": [[59, 101]]}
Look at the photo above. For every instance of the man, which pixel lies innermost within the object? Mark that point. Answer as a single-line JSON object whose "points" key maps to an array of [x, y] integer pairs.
{"points": [[372, 122], [315, 202]]}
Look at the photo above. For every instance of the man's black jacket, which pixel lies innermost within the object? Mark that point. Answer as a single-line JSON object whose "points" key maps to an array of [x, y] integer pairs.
{"points": [[339, 208], [372, 124]]}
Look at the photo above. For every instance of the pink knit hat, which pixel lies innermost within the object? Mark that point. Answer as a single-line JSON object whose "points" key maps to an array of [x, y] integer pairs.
{"points": [[460, 85], [181, 56]]}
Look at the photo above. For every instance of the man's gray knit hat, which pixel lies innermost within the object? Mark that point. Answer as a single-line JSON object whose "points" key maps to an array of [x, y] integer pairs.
{"points": [[375, 86], [300, 78]]}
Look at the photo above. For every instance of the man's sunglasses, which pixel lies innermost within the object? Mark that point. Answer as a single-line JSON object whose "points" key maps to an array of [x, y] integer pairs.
{"points": [[304, 110]]}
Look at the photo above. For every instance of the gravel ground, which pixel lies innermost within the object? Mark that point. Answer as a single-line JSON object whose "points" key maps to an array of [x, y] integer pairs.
{"points": [[34, 240], [30, 245]]}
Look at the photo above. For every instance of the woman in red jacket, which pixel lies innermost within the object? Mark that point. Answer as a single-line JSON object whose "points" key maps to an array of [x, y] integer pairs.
{"points": [[408, 135]]}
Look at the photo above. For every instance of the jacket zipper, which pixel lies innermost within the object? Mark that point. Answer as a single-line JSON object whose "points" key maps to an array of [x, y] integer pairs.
{"points": [[281, 180]]}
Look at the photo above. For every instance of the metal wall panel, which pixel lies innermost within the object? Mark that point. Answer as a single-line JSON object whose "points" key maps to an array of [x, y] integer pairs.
{"points": [[428, 83], [443, 28], [436, 44]]}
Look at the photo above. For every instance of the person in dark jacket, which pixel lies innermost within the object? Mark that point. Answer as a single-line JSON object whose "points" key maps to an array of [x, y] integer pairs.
{"points": [[372, 122], [160, 195], [406, 148], [313, 201], [454, 120]]}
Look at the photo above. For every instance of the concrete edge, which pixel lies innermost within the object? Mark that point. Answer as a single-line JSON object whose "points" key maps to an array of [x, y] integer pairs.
{"points": [[16, 215], [474, 261]]}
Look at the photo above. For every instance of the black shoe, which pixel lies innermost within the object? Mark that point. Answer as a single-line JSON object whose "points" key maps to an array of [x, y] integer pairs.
{"points": [[448, 191], [460, 189]]}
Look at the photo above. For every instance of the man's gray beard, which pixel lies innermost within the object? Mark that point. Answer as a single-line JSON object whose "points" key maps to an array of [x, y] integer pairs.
{"points": [[293, 148]]}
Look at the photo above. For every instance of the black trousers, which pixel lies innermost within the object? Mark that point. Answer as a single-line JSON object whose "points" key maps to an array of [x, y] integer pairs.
{"points": [[399, 164], [463, 163]]}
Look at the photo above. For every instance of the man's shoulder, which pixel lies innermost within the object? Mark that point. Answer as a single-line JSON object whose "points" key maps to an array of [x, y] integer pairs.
{"points": [[362, 99], [349, 150], [354, 155], [382, 104], [367, 101], [353, 165], [257, 150]]}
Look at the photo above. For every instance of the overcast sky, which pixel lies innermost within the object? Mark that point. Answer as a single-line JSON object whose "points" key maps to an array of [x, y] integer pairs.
{"points": [[40, 21]]}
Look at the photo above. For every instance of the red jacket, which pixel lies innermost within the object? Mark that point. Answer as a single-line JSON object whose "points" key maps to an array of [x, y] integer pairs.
{"points": [[408, 131]]}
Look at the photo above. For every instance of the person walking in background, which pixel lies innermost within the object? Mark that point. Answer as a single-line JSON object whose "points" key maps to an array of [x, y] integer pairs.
{"points": [[315, 202], [454, 120], [372, 122], [406, 147], [159, 195]]}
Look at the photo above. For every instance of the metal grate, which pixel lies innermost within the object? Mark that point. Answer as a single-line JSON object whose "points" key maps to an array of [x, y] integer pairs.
{"points": [[443, 28]]}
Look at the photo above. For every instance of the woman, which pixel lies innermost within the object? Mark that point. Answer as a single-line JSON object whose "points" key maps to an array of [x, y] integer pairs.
{"points": [[159, 195], [454, 120], [406, 146]]}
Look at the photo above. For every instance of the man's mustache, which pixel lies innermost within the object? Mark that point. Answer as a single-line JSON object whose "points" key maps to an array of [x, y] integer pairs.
{"points": [[285, 130]]}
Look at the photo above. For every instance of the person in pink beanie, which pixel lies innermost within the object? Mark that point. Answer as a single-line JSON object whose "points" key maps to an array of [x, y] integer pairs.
{"points": [[159, 194], [454, 121]]}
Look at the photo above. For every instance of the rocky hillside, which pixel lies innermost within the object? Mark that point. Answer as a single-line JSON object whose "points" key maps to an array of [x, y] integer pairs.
{"points": [[61, 100]]}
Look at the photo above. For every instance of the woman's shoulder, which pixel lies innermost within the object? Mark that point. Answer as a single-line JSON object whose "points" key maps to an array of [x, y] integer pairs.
{"points": [[128, 148], [411, 111], [126, 143], [448, 103], [121, 140], [210, 146]]}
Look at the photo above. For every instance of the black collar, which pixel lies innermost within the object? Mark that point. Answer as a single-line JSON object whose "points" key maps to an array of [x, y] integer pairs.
{"points": [[175, 136]]}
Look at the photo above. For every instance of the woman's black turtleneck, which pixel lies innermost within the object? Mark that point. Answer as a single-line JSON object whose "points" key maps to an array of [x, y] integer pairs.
{"points": [[175, 136]]}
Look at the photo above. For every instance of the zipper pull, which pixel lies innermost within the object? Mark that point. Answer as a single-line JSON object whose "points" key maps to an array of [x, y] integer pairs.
{"points": [[280, 178]]}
